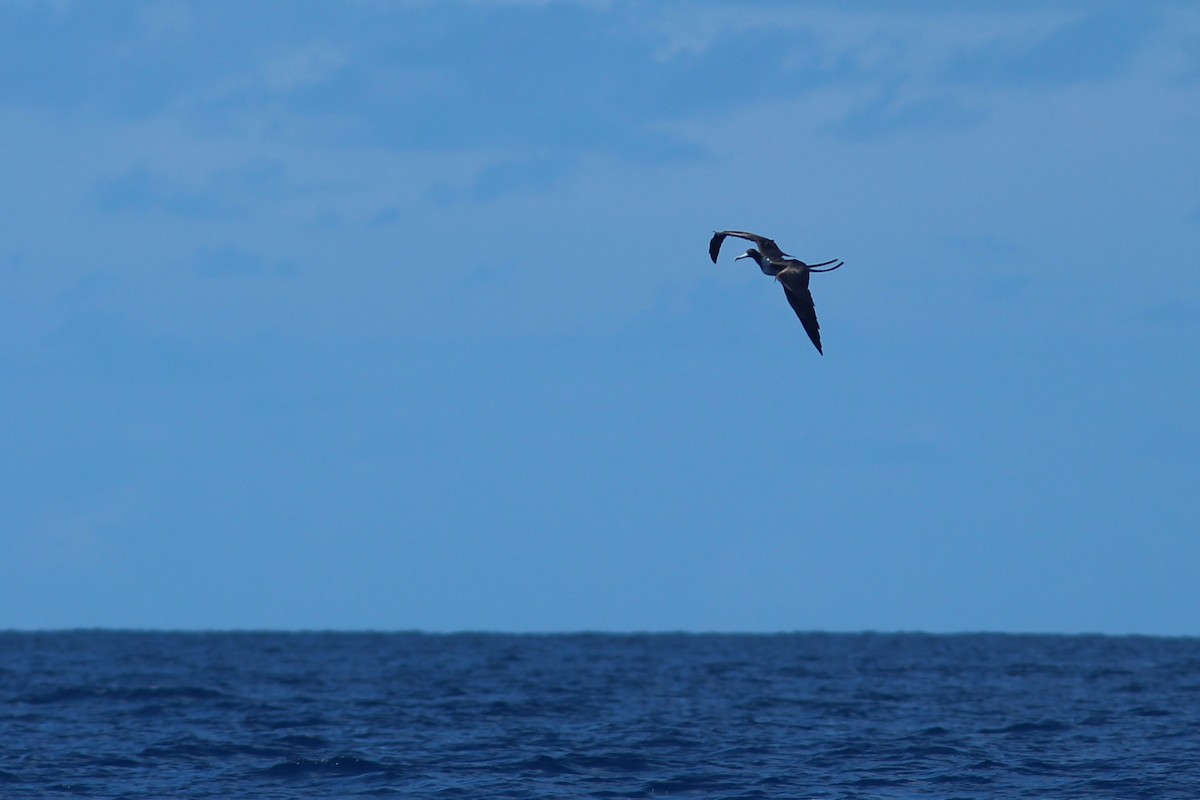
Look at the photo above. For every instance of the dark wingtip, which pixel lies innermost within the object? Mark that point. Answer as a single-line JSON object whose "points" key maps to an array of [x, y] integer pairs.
{"points": [[714, 246]]}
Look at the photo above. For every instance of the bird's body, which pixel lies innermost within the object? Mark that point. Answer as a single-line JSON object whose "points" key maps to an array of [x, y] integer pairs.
{"points": [[791, 272]]}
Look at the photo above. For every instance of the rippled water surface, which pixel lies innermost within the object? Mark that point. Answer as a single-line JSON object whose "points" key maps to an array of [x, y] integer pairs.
{"points": [[153, 715]]}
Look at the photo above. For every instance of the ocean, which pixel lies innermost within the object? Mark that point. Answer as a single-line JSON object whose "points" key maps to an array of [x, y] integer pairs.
{"points": [[128, 715]]}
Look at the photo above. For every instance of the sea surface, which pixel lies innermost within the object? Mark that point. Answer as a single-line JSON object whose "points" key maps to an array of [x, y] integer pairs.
{"points": [[331, 715]]}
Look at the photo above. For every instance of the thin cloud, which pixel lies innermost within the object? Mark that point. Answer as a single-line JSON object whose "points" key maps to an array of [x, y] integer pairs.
{"points": [[230, 261], [893, 111], [1096, 47], [142, 189], [303, 66], [222, 193]]}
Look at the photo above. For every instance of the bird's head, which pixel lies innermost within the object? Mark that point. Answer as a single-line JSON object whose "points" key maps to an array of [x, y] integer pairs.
{"points": [[751, 253]]}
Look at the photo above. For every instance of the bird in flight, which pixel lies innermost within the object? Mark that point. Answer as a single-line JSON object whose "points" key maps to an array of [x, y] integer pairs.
{"points": [[791, 272]]}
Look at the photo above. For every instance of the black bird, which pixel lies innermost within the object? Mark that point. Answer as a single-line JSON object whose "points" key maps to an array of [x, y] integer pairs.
{"points": [[789, 271]]}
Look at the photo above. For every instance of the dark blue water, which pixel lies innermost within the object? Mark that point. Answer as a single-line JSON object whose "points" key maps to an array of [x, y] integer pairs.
{"points": [[174, 715]]}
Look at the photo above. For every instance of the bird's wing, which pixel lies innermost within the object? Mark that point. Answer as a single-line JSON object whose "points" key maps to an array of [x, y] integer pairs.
{"points": [[714, 245], [801, 301], [766, 246]]}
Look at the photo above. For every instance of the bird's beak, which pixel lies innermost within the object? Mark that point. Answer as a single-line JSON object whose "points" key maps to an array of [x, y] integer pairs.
{"points": [[743, 255]]}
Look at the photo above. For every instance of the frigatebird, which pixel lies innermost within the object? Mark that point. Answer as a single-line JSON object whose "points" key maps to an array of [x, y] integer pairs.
{"points": [[791, 272]]}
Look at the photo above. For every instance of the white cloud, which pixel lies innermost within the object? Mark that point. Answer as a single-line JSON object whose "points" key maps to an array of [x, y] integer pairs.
{"points": [[166, 20], [312, 63], [913, 43]]}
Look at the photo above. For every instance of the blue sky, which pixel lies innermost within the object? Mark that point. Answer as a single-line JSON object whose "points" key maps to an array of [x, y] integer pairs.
{"points": [[399, 315]]}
